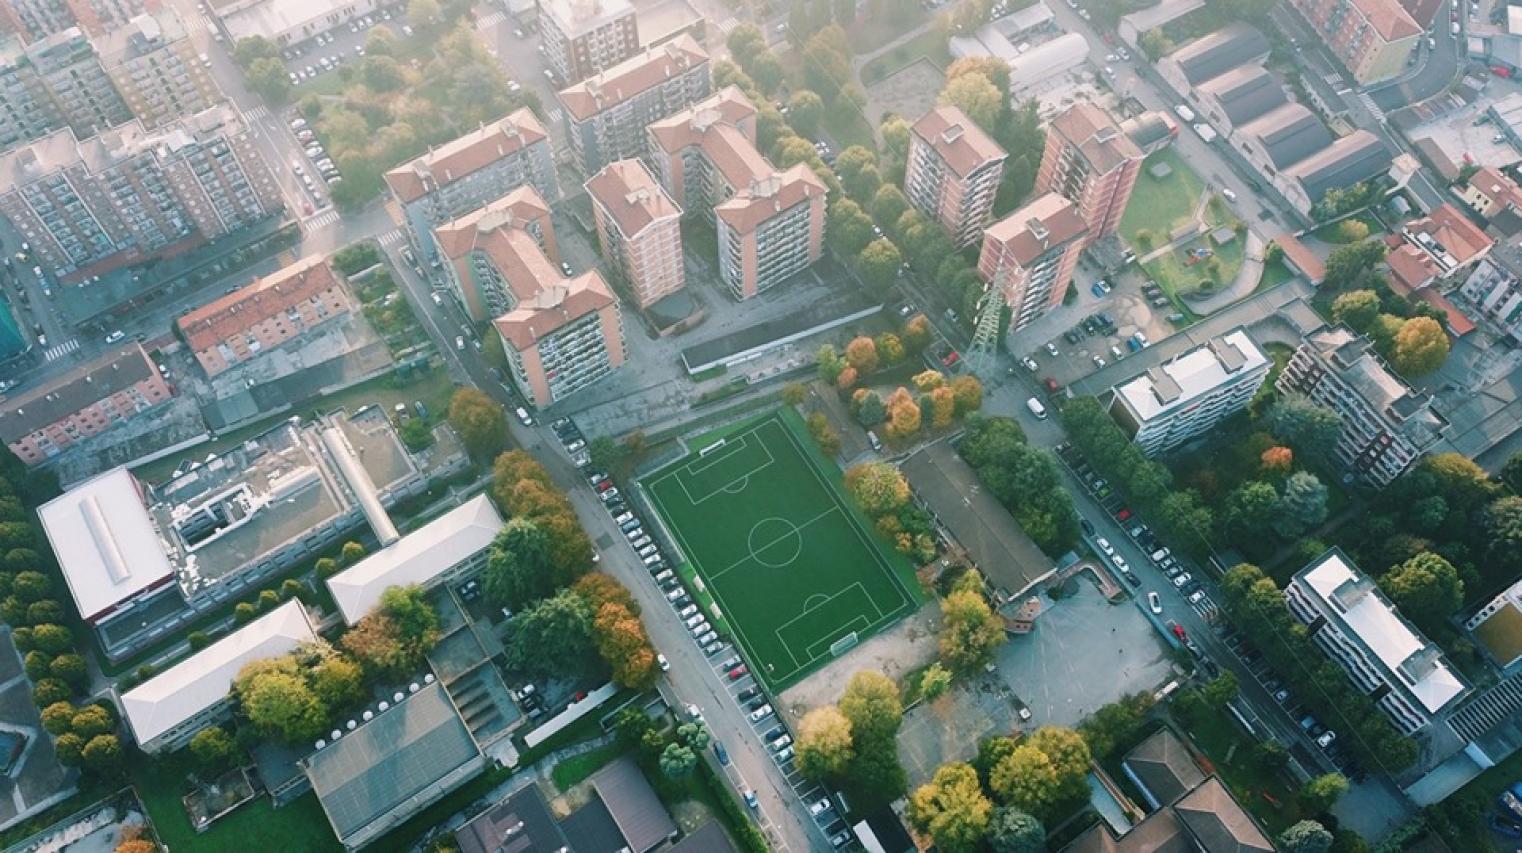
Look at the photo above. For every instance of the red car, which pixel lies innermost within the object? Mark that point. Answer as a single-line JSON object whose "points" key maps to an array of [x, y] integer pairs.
{"points": [[1178, 630], [736, 673], [1124, 514], [1051, 385], [604, 485]]}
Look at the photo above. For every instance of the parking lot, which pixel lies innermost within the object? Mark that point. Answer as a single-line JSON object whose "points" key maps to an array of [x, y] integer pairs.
{"points": [[1078, 339]]}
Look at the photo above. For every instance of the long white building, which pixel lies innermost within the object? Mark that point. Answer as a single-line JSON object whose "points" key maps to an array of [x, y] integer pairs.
{"points": [[1178, 400]]}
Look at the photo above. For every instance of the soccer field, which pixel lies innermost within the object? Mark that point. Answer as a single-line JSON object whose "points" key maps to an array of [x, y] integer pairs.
{"points": [[796, 574]]}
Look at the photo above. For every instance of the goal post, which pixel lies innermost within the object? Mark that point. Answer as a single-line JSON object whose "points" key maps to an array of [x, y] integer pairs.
{"points": [[710, 448], [843, 645]]}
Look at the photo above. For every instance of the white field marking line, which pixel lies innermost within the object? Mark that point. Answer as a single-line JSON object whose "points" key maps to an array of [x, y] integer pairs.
{"points": [[751, 556], [827, 641], [807, 610], [743, 479], [703, 463], [903, 596]]}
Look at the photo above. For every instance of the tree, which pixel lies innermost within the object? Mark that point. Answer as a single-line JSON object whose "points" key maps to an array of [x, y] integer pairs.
{"points": [[136, 845], [58, 717], [1319, 794], [70, 749], [213, 748], [943, 407], [861, 353], [31, 587], [871, 703], [889, 204], [103, 754], [251, 49], [1312, 430], [1249, 512], [52, 639], [745, 43], [337, 681], [50, 690], [280, 704], [518, 565], [1070, 758], [623, 645], [856, 167], [1421, 346], [481, 423], [678, 760], [552, 636], [1025, 779], [416, 434], [870, 411], [824, 743], [878, 265], [351, 553], [934, 681], [91, 720], [878, 487], [804, 111], [952, 808], [69, 668], [1356, 308], [970, 630], [422, 14], [1013, 831], [269, 79], [1426, 588], [976, 96], [1302, 506], [827, 61], [1307, 836], [904, 416], [416, 621], [995, 70], [968, 393], [1115, 723], [848, 228]]}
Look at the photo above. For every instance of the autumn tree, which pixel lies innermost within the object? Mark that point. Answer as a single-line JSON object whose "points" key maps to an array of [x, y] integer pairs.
{"points": [[824, 743], [1421, 346], [872, 705], [480, 422], [879, 488], [624, 646], [861, 353], [904, 416], [1277, 459], [968, 393], [951, 808], [943, 407], [976, 96], [970, 630], [1025, 779]]}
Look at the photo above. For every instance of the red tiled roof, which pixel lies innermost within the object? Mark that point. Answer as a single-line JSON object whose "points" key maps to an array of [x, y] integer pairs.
{"points": [[753, 205], [957, 139], [1462, 239], [554, 306], [498, 230], [1302, 258], [1410, 268], [631, 196], [67, 393], [512, 211], [1495, 186], [255, 302], [460, 157], [1094, 132], [1389, 18], [686, 128], [632, 76], [1052, 214]]}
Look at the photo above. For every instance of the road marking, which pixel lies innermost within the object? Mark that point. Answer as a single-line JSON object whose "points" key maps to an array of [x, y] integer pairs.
{"points": [[728, 24], [61, 350], [553, 115], [256, 112], [490, 21], [390, 238], [321, 220]]}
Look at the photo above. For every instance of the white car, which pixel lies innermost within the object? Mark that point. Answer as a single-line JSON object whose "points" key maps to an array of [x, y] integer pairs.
{"points": [[1197, 596], [1120, 562], [1182, 579], [665, 665], [1155, 602], [1105, 546], [115, 336], [820, 807], [760, 713], [437, 298]]}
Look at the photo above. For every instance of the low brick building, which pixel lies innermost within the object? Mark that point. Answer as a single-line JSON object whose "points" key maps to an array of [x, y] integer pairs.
{"points": [[88, 400], [264, 314]]}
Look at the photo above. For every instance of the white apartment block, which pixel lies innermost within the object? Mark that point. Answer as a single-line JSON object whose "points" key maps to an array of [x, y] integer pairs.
{"points": [[1493, 291], [1188, 395]]}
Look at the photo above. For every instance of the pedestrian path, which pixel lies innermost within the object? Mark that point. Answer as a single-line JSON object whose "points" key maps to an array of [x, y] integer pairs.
{"points": [[61, 350], [728, 25], [321, 220], [390, 238], [255, 113], [1368, 102], [490, 21]]}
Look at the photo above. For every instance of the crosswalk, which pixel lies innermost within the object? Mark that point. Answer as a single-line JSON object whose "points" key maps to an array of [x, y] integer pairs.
{"points": [[1373, 108], [727, 25], [490, 21], [196, 23], [61, 350], [553, 115], [321, 220], [390, 238], [255, 113]]}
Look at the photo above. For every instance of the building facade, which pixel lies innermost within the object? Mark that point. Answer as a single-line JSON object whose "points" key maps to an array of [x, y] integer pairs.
{"points": [[1371, 38], [464, 174], [640, 230], [1386, 425], [607, 113], [1189, 394], [953, 172], [583, 37], [55, 82], [1030, 256], [488, 259], [156, 69], [703, 152], [1490, 191], [1349, 618], [264, 314], [1090, 161], [34, 20], [1493, 291], [86, 401]]}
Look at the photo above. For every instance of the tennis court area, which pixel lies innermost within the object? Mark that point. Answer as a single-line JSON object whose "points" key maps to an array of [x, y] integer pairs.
{"points": [[797, 575]]}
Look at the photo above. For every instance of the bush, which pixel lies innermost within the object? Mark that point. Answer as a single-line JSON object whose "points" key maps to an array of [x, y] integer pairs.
{"points": [[50, 690], [58, 717], [326, 567], [37, 665], [244, 613], [198, 640], [51, 638], [70, 668]]}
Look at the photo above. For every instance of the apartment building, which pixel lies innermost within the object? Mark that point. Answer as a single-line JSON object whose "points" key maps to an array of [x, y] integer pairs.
{"points": [[1386, 425], [128, 195], [34, 20], [1371, 38], [477, 279], [1493, 291], [561, 333], [57, 81], [1030, 256], [770, 223], [1349, 618], [1490, 192], [156, 68], [953, 172], [640, 230], [1090, 161], [1186, 396], [90, 399], [583, 37], [607, 113], [464, 174], [264, 314]]}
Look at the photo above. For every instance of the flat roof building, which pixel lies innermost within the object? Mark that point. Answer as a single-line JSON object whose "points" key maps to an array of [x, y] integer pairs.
{"points": [[54, 83], [583, 37], [372, 779], [264, 314], [450, 546], [36, 19], [607, 113], [466, 173], [953, 172], [640, 230], [1371, 38], [1188, 395], [286, 22], [156, 68], [168, 709], [1090, 161], [1030, 256], [1349, 618], [44, 421]]}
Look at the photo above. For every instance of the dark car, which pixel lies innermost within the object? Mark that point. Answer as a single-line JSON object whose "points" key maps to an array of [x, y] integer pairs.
{"points": [[1088, 526], [748, 694], [1132, 579], [718, 750]]}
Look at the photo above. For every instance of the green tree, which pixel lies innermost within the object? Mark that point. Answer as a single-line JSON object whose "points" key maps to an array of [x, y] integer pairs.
{"points": [[416, 434], [952, 808], [58, 717], [934, 681], [1310, 429], [871, 411], [70, 749], [1319, 794], [518, 565], [91, 720], [50, 690], [213, 748], [251, 49], [1426, 588], [69, 668], [1249, 513], [1356, 308], [31, 587], [552, 636], [678, 761], [889, 204], [480, 422], [1302, 506], [103, 754], [52, 639], [268, 78], [857, 169], [1025, 779], [878, 264], [280, 704], [745, 43], [1307, 836], [871, 703], [825, 747], [351, 553], [804, 112], [848, 229], [1013, 831], [976, 96], [337, 681], [1421, 346], [970, 630]]}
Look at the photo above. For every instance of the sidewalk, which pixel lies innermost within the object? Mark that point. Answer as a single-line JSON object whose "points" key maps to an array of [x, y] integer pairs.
{"points": [[1248, 276]]}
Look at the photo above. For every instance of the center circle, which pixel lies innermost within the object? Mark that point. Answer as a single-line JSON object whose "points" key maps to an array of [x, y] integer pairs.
{"points": [[775, 542]]}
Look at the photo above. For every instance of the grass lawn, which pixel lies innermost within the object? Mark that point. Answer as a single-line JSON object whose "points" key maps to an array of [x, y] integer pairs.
{"points": [[578, 767], [1218, 735], [1161, 205], [293, 828], [848, 126], [1274, 274], [869, 32], [930, 44], [790, 564]]}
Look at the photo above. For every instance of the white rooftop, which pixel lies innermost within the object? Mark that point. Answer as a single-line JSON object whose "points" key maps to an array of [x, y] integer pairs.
{"points": [[1197, 372], [1381, 628], [107, 545], [204, 679], [416, 558]]}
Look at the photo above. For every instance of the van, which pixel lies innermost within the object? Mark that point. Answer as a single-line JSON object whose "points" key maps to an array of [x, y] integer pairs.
{"points": [[873, 440], [1036, 408]]}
